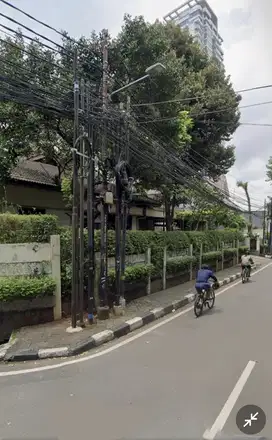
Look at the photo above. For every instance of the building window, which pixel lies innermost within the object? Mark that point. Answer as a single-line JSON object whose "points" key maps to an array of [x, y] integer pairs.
{"points": [[27, 210]]}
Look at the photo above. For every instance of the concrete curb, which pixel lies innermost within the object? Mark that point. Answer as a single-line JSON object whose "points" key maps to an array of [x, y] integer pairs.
{"points": [[7, 355]]}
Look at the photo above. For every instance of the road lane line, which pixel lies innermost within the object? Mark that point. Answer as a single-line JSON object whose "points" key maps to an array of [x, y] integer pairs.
{"points": [[224, 414], [119, 344]]}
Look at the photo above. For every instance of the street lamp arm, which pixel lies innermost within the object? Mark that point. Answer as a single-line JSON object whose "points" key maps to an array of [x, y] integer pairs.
{"points": [[129, 85], [158, 67]]}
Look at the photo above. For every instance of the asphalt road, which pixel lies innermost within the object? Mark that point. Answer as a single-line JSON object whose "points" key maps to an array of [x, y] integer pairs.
{"points": [[169, 381]]}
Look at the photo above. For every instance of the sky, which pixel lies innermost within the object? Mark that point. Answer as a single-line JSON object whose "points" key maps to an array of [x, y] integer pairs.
{"points": [[245, 26]]}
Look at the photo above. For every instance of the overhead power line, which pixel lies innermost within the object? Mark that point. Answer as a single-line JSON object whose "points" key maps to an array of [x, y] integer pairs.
{"points": [[29, 38], [62, 34], [203, 113], [31, 30], [146, 104]]}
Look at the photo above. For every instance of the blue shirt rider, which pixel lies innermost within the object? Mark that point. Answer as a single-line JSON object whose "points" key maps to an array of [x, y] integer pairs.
{"points": [[202, 279]]}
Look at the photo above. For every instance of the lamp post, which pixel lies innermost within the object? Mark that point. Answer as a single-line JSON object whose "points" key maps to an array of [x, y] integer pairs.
{"points": [[155, 68], [121, 191]]}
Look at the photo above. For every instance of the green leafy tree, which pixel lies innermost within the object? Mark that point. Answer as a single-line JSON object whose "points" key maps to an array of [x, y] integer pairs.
{"points": [[35, 75], [201, 209], [189, 74], [210, 120]]}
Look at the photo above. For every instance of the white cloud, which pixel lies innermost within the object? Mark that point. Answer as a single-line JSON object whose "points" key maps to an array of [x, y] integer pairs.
{"points": [[245, 26]]}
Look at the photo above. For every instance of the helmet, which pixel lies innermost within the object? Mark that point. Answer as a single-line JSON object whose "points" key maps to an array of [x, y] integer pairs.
{"points": [[205, 266]]}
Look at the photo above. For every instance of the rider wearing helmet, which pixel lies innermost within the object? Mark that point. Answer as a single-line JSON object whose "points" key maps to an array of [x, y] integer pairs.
{"points": [[202, 279], [246, 261]]}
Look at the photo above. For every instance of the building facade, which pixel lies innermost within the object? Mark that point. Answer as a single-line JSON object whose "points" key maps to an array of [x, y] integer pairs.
{"points": [[200, 20]]}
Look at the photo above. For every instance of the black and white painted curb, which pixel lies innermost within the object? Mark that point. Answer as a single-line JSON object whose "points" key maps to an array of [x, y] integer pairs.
{"points": [[7, 354]]}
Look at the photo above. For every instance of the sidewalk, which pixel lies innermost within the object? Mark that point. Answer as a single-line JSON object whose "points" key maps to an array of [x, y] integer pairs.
{"points": [[51, 339]]}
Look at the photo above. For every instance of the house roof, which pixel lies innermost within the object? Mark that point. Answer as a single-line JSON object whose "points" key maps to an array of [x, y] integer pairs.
{"points": [[35, 172]]}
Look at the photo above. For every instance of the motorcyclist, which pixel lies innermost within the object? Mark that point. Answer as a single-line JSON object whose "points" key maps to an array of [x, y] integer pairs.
{"points": [[246, 262], [202, 279]]}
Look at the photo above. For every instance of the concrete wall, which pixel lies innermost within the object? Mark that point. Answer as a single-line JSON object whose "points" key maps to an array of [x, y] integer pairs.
{"points": [[34, 259]]}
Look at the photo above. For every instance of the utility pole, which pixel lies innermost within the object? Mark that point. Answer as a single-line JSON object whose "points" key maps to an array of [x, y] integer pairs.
{"points": [[270, 226], [103, 309], [264, 225], [118, 196], [81, 209], [125, 207], [90, 210], [74, 297]]}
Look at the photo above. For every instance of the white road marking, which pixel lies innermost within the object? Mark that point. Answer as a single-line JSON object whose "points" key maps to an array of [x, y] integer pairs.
{"points": [[119, 344], [223, 416]]}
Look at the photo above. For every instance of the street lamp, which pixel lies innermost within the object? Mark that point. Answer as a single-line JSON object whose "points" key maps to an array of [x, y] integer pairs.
{"points": [[155, 68]]}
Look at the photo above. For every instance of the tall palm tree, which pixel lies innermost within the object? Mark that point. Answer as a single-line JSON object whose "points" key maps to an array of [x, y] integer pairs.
{"points": [[244, 186]]}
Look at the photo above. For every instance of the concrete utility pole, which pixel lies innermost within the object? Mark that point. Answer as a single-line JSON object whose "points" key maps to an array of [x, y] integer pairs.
{"points": [[90, 210], [264, 225], [269, 205], [74, 298], [81, 208], [118, 196], [124, 207], [103, 309]]}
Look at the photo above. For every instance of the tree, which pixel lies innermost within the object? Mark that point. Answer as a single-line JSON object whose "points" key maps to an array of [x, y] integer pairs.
{"points": [[156, 130], [188, 73], [33, 91], [244, 186], [201, 209]]}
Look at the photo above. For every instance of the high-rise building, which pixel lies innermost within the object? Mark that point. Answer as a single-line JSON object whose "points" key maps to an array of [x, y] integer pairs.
{"points": [[198, 17]]}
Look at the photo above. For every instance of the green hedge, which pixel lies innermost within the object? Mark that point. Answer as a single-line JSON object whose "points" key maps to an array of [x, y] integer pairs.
{"points": [[211, 256], [230, 252], [12, 288], [135, 273], [179, 264], [38, 228], [210, 239], [16, 228], [243, 249]]}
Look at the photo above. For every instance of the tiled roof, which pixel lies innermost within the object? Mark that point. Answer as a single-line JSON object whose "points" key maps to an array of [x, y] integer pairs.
{"points": [[35, 172]]}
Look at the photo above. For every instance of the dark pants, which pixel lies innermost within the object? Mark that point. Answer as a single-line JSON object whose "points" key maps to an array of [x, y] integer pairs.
{"points": [[248, 266], [206, 287]]}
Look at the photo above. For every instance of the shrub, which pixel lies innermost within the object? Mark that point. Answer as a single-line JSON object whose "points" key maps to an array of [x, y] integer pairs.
{"points": [[135, 273], [137, 242], [230, 252], [179, 264], [210, 239], [12, 288], [211, 256], [243, 249], [16, 228], [38, 228]]}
